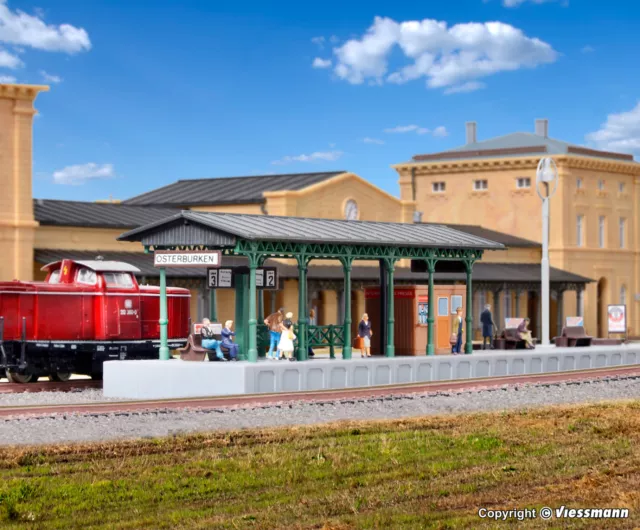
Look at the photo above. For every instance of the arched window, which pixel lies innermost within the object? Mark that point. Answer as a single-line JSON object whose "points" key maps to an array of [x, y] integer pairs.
{"points": [[623, 295]]}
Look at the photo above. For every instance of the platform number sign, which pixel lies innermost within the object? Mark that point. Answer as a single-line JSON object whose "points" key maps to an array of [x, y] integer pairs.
{"points": [[267, 278], [220, 278]]}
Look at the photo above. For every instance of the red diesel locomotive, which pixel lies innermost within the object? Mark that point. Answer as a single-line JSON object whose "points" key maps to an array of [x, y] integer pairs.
{"points": [[84, 313]]}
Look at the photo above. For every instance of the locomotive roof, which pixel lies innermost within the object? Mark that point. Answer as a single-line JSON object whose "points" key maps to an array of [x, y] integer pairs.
{"points": [[98, 266]]}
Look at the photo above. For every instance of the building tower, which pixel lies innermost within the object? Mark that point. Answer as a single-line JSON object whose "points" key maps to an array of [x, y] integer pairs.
{"points": [[17, 224]]}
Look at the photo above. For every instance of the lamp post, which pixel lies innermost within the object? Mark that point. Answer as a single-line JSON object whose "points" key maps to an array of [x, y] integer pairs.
{"points": [[547, 175]]}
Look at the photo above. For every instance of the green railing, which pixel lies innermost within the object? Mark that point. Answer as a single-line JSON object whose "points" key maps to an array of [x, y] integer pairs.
{"points": [[331, 336]]}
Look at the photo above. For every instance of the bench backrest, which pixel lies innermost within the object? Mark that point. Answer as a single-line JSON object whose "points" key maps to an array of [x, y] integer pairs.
{"points": [[512, 323], [510, 333], [573, 332]]}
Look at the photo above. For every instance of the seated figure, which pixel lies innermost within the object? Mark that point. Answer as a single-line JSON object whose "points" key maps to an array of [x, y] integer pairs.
{"points": [[227, 340], [208, 339], [524, 333]]}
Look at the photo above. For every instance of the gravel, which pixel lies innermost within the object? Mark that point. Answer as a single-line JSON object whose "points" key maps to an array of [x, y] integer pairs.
{"points": [[86, 395], [81, 428]]}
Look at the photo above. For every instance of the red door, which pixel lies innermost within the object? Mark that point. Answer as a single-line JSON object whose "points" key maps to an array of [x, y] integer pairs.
{"points": [[122, 306]]}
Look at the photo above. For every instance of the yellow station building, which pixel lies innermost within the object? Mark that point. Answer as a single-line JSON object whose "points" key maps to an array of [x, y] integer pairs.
{"points": [[34, 232]]}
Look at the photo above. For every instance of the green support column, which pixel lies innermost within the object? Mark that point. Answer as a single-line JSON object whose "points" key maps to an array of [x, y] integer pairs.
{"points": [[391, 347], [468, 346], [164, 344], [261, 314], [213, 306], [431, 346], [303, 353], [347, 348], [252, 352], [242, 315]]}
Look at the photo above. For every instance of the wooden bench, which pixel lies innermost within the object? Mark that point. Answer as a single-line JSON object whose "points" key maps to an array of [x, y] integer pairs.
{"points": [[194, 351], [606, 342], [573, 336]]}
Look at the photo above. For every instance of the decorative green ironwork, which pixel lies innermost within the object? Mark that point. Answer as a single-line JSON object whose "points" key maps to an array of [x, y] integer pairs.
{"points": [[390, 266], [337, 251], [331, 336], [303, 261]]}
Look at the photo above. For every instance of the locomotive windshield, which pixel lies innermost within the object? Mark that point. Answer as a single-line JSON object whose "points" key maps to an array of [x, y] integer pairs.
{"points": [[87, 276], [118, 279], [55, 277]]}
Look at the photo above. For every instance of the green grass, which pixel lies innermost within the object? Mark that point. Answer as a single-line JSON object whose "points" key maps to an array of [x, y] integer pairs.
{"points": [[423, 473]]}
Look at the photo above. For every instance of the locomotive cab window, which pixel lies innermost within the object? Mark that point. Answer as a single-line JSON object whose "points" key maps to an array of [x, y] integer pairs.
{"points": [[87, 276], [55, 277], [118, 279]]}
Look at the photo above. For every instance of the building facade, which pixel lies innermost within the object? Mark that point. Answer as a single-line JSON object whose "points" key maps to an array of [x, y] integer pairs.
{"points": [[34, 232], [594, 213]]}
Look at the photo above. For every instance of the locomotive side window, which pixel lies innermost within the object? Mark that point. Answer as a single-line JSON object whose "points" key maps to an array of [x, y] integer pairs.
{"points": [[55, 277], [87, 276], [118, 279]]}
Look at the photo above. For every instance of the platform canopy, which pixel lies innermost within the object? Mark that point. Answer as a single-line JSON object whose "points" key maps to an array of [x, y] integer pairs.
{"points": [[259, 237]]}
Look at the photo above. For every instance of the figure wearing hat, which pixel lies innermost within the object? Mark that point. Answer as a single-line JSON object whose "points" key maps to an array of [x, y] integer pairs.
{"points": [[285, 346]]}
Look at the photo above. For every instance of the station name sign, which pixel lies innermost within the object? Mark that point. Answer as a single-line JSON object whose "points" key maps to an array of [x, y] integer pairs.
{"points": [[187, 258]]}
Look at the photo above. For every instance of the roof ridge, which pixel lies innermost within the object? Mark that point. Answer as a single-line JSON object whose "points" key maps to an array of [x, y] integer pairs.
{"points": [[262, 176], [147, 206]]}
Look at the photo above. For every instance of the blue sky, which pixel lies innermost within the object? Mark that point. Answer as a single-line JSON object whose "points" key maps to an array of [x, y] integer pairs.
{"points": [[192, 89]]}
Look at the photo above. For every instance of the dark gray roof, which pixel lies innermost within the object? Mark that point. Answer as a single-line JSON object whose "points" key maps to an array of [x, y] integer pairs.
{"points": [[77, 213], [506, 239], [520, 143], [306, 230], [485, 272], [228, 190]]}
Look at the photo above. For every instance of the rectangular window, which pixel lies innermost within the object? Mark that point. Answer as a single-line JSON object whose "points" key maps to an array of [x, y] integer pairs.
{"points": [[578, 183], [456, 302], [507, 305], [601, 231], [621, 187], [438, 187], [118, 279], [622, 232], [579, 228], [601, 184], [523, 182], [443, 307], [480, 185]]}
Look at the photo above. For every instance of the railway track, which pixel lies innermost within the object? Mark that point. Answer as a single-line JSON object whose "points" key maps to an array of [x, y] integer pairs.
{"points": [[48, 386], [316, 396]]}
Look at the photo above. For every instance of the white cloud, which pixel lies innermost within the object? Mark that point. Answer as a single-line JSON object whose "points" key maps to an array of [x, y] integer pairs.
{"points": [[7, 79], [9, 61], [81, 173], [406, 129], [620, 133], [328, 156], [319, 42], [444, 56], [517, 3], [588, 49], [321, 63], [368, 140], [469, 86], [50, 78], [440, 131], [20, 28]]}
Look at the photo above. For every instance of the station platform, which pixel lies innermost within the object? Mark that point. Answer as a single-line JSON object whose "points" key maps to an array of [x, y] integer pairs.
{"points": [[184, 379]]}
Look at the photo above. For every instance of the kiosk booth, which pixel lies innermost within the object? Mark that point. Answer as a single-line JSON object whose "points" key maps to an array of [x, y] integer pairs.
{"points": [[411, 312]]}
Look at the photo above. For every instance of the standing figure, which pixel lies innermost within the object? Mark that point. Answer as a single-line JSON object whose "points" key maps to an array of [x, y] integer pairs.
{"points": [[274, 323], [486, 318], [208, 339], [524, 333], [364, 332], [312, 322], [227, 340], [457, 329], [286, 338]]}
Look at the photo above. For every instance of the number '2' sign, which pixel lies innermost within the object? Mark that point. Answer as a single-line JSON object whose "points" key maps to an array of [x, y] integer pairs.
{"points": [[225, 278], [267, 278]]}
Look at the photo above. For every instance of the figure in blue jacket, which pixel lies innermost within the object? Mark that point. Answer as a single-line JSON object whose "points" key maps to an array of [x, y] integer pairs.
{"points": [[227, 340]]}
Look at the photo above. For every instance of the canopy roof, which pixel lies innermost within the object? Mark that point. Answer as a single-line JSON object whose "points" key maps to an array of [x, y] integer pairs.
{"points": [[224, 230]]}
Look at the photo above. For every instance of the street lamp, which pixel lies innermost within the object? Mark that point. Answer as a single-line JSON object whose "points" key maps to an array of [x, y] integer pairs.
{"points": [[547, 175]]}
